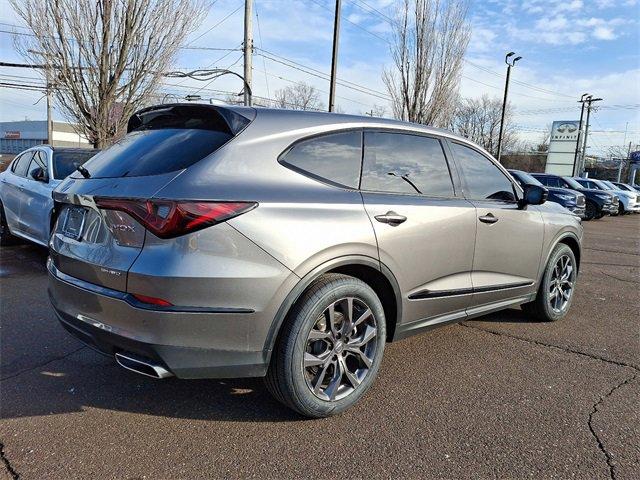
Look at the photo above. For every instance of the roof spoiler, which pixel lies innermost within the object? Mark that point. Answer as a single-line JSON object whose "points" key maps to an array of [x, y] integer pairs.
{"points": [[189, 115]]}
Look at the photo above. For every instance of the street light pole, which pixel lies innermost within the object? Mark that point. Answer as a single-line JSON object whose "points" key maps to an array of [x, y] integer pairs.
{"points": [[582, 100], [510, 63], [334, 57]]}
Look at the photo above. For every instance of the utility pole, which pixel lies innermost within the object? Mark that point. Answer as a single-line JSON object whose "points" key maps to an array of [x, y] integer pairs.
{"points": [[590, 100], [334, 57], [504, 101], [583, 100], [248, 49], [49, 119]]}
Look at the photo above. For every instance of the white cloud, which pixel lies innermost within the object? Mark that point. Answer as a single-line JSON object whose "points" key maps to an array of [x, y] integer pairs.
{"points": [[604, 33], [572, 6]]}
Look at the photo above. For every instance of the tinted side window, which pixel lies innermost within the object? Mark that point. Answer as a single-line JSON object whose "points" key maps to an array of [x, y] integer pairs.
{"points": [[22, 163], [66, 161], [483, 179], [335, 157], [402, 163]]}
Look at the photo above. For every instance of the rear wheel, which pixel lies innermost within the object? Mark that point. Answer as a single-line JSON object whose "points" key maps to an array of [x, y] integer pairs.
{"points": [[555, 294], [590, 210], [330, 348], [620, 208], [6, 238]]}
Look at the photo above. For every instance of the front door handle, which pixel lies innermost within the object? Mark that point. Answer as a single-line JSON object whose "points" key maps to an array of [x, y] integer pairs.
{"points": [[392, 218], [488, 218]]}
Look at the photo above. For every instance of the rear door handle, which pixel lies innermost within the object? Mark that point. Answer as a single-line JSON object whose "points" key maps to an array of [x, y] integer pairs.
{"points": [[391, 217], [488, 218]]}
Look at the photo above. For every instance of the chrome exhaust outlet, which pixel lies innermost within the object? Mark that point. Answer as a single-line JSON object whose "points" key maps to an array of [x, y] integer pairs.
{"points": [[142, 367]]}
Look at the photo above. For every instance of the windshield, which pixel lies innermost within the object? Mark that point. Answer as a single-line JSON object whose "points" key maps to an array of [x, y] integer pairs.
{"points": [[153, 152], [601, 184], [572, 182], [66, 161], [610, 185]]}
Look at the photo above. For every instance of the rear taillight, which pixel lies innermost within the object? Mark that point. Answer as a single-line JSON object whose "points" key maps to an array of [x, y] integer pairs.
{"points": [[169, 219], [158, 302]]}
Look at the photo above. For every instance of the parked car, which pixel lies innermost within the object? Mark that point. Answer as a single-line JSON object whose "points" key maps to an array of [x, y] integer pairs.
{"points": [[626, 200], [627, 190], [235, 242], [25, 190], [626, 186], [570, 199], [598, 204]]}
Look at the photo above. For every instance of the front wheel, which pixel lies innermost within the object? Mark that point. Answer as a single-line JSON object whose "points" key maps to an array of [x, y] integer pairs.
{"points": [[620, 208], [555, 294], [590, 211], [330, 348]]}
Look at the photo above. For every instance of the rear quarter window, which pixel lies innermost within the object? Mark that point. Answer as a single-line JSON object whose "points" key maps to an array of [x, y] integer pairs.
{"points": [[334, 157]]}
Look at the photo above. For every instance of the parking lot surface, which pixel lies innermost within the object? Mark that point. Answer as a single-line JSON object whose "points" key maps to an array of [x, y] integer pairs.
{"points": [[500, 396]]}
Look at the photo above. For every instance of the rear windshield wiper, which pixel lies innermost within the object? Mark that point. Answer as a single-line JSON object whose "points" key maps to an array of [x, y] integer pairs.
{"points": [[83, 171]]}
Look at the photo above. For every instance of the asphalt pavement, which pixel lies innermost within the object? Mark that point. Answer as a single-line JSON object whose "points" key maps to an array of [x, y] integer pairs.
{"points": [[497, 397]]}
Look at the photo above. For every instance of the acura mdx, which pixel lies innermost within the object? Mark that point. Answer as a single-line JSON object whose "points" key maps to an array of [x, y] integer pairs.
{"points": [[215, 242]]}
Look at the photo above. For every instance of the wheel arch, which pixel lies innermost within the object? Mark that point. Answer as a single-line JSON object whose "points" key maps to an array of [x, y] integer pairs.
{"points": [[368, 269], [571, 240]]}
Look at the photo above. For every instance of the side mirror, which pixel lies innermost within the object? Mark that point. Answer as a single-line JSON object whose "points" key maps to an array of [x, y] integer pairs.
{"points": [[533, 195], [39, 175]]}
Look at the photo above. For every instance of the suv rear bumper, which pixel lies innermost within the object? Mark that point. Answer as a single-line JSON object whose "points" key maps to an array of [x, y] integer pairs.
{"points": [[104, 320]]}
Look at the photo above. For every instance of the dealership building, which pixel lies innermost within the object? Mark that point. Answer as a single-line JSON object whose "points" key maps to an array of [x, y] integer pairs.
{"points": [[18, 136]]}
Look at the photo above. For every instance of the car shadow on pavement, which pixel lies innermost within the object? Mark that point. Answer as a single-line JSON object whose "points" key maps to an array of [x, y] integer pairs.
{"points": [[87, 380]]}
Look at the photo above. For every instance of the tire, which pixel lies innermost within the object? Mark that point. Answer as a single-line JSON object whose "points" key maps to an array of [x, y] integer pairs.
{"points": [[621, 211], [6, 238], [316, 389], [590, 210], [549, 298]]}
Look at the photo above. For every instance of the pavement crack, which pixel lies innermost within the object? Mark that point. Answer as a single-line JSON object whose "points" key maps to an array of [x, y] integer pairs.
{"points": [[12, 472], [618, 278], [607, 455], [611, 251], [30, 369], [551, 345]]}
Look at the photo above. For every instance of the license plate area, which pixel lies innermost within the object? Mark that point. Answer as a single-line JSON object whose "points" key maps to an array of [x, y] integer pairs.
{"points": [[74, 222]]}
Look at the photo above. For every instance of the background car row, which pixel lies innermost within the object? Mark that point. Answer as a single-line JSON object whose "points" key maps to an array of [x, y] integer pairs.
{"points": [[586, 197]]}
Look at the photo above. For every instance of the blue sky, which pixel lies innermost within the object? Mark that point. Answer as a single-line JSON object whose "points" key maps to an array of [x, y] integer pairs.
{"points": [[569, 47]]}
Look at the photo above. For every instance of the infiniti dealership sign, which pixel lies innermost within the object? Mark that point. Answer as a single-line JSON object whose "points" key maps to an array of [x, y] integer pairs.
{"points": [[562, 147]]}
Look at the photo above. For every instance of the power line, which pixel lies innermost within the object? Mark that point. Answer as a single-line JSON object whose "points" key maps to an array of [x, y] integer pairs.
{"points": [[217, 24], [352, 23], [264, 63]]}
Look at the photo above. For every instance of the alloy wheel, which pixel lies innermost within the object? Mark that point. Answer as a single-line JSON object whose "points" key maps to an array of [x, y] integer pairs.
{"points": [[561, 284], [340, 349]]}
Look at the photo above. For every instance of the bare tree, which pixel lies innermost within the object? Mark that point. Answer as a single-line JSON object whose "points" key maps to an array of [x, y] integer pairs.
{"points": [[478, 119], [543, 143], [300, 96], [430, 40], [105, 57]]}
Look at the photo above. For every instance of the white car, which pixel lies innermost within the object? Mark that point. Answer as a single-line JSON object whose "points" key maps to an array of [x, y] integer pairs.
{"points": [[25, 190], [628, 201]]}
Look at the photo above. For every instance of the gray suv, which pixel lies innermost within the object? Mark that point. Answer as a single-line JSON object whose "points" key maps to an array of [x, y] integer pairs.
{"points": [[218, 242]]}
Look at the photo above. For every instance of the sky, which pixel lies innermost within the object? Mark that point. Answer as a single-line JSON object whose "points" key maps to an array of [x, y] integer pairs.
{"points": [[569, 47]]}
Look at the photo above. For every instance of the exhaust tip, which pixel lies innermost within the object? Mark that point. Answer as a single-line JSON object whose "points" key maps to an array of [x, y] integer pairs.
{"points": [[143, 367]]}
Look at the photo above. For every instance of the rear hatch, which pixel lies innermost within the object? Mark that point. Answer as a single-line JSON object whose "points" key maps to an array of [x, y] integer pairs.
{"points": [[103, 212]]}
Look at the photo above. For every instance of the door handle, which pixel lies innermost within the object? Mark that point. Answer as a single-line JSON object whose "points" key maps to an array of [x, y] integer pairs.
{"points": [[488, 218], [392, 218]]}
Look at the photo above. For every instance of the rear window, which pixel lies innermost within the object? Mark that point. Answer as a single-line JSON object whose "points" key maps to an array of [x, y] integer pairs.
{"points": [[153, 152], [334, 157], [66, 161]]}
